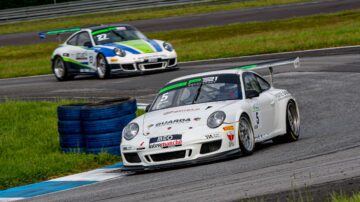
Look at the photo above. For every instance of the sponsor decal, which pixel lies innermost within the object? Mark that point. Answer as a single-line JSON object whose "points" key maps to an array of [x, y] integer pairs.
{"points": [[91, 59], [181, 110], [127, 147], [227, 128], [151, 125], [231, 137], [81, 56], [165, 141], [212, 136], [197, 119], [171, 122], [141, 146]]}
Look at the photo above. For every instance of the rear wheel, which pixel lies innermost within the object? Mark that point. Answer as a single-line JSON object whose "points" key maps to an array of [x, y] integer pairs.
{"points": [[246, 136], [60, 69], [292, 125], [102, 67]]}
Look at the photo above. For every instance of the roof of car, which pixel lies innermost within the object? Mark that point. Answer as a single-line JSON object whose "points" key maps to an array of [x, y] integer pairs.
{"points": [[227, 71], [99, 27]]}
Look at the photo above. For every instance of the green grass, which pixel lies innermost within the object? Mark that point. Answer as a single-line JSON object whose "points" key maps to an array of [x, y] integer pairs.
{"points": [[320, 31], [116, 17], [29, 145], [342, 198]]}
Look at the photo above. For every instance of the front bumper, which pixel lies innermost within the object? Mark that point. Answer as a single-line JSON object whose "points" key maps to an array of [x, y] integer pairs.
{"points": [[145, 66], [205, 159]]}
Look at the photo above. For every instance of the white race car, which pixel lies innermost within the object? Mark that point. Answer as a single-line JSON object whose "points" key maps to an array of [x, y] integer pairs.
{"points": [[210, 116], [107, 50]]}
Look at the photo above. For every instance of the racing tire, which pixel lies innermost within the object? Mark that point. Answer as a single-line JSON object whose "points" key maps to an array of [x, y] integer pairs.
{"points": [[109, 109], [114, 150], [108, 125], [71, 140], [103, 140], [292, 125], [69, 127], [60, 69], [246, 136], [102, 67], [70, 112]]}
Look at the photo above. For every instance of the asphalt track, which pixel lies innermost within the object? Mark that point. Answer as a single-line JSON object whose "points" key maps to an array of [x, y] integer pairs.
{"points": [[211, 19], [326, 88]]}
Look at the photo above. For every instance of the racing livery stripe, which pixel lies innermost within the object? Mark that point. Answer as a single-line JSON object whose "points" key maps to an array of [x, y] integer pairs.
{"points": [[126, 48], [139, 44], [103, 30], [247, 67], [75, 62], [182, 84], [155, 45]]}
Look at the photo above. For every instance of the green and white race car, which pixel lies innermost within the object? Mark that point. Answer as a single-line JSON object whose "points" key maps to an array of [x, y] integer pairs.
{"points": [[108, 50]]}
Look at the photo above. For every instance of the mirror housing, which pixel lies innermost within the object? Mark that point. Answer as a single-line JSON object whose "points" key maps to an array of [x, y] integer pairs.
{"points": [[251, 94], [147, 108], [88, 44]]}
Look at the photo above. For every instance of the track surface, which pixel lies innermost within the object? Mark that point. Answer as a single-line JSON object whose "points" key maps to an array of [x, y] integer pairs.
{"points": [[209, 19], [328, 150]]}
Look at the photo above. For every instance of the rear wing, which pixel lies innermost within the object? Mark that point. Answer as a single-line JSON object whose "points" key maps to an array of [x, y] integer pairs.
{"points": [[271, 64], [43, 35]]}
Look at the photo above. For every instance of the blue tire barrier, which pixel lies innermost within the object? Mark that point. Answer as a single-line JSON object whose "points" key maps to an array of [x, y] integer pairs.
{"points": [[103, 140], [73, 150], [69, 127], [114, 150], [70, 112], [71, 140], [109, 109], [108, 125]]}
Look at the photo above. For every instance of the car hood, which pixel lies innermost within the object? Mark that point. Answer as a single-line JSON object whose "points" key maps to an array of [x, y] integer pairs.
{"points": [[140, 46], [181, 118]]}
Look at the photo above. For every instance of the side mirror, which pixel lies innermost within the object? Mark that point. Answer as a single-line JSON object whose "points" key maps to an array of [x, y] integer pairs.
{"points": [[147, 108], [251, 94], [88, 44]]}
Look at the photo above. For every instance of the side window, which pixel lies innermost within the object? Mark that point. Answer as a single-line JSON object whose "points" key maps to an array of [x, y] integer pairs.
{"points": [[83, 38], [72, 41], [250, 82], [264, 85]]}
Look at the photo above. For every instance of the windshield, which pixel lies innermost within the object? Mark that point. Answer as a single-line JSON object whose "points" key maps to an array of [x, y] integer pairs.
{"points": [[199, 90], [116, 34]]}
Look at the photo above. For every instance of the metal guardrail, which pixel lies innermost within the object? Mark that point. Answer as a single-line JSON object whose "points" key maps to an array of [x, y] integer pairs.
{"points": [[83, 7]]}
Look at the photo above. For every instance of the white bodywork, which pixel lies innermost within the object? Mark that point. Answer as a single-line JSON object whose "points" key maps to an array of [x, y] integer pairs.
{"points": [[267, 114]]}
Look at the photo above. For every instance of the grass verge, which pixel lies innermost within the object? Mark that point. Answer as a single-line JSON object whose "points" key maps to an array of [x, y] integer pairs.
{"points": [[114, 17], [319, 31], [29, 145], [342, 198]]}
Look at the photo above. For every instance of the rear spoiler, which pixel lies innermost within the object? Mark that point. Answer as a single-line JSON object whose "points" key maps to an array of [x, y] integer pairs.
{"points": [[271, 64], [42, 35]]}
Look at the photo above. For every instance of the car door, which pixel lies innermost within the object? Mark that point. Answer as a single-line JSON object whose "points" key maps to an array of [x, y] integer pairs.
{"points": [[262, 107], [84, 52]]}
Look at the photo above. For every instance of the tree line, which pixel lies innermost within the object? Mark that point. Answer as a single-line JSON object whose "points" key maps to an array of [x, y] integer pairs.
{"points": [[4, 4]]}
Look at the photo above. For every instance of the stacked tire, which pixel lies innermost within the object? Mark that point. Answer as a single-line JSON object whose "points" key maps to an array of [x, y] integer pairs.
{"points": [[95, 128], [71, 136], [103, 123]]}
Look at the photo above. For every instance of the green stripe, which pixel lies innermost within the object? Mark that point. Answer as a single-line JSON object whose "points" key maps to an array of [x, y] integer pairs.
{"points": [[140, 45], [246, 67], [182, 84], [63, 31], [75, 62], [103, 30]]}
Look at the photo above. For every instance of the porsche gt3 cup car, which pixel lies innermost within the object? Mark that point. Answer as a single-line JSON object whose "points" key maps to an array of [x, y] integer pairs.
{"points": [[209, 116], [109, 49]]}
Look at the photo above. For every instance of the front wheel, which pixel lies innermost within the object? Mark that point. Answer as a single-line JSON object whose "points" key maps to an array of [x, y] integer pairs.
{"points": [[246, 136], [60, 69], [102, 67], [292, 125]]}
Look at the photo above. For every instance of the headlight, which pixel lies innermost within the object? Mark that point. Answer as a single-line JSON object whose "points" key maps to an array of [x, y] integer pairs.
{"points": [[168, 46], [119, 52], [216, 119], [130, 131]]}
